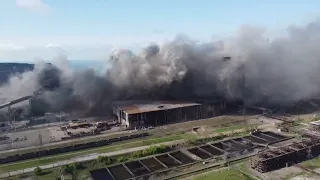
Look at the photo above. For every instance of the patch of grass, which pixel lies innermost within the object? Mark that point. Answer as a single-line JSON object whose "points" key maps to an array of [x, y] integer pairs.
{"points": [[312, 164], [48, 175], [299, 120], [244, 169], [231, 128], [104, 149], [224, 174], [290, 176], [84, 174], [242, 166], [104, 160]]}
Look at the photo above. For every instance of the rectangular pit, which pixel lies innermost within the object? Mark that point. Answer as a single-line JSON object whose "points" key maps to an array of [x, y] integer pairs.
{"points": [[272, 134], [182, 157], [101, 174], [167, 160], [224, 147], [245, 142], [256, 140], [199, 153], [119, 172], [241, 140], [152, 164], [137, 168], [235, 145], [212, 150], [263, 136]]}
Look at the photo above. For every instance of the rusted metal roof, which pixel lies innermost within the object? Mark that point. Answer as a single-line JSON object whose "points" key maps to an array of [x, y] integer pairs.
{"points": [[135, 107]]}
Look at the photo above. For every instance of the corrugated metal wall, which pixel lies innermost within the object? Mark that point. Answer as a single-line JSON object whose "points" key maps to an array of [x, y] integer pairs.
{"points": [[157, 118]]}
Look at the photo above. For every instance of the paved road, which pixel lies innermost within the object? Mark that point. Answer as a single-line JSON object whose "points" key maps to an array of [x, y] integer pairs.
{"points": [[85, 158]]}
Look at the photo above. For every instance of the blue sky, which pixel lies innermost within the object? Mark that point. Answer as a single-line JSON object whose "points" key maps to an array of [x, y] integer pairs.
{"points": [[88, 29]]}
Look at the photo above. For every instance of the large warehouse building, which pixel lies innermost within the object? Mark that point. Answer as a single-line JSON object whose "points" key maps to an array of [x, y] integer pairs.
{"points": [[136, 114]]}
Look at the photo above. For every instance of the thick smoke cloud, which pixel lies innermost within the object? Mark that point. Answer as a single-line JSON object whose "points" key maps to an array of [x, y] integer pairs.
{"points": [[275, 72]]}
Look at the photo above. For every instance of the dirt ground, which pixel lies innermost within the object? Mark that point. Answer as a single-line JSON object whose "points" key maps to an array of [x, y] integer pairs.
{"points": [[305, 177], [305, 117], [32, 138], [281, 174]]}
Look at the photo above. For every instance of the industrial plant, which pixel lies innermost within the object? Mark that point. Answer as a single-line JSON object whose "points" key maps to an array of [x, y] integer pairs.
{"points": [[137, 114], [185, 110], [266, 150]]}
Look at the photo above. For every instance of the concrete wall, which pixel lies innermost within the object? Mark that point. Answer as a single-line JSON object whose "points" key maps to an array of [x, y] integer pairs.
{"points": [[123, 120]]}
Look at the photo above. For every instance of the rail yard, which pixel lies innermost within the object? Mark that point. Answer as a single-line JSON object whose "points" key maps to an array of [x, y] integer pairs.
{"points": [[202, 138]]}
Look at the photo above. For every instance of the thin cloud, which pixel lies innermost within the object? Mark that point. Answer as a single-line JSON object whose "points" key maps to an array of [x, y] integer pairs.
{"points": [[51, 45], [56, 48], [33, 5], [10, 47]]}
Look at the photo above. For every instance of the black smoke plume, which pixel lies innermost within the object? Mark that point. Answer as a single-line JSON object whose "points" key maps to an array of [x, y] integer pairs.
{"points": [[248, 66]]}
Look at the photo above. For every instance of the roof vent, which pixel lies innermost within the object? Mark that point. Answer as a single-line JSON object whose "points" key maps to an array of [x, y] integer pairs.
{"points": [[160, 107]]}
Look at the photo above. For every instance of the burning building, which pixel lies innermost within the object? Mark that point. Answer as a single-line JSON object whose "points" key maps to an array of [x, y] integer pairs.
{"points": [[136, 114]]}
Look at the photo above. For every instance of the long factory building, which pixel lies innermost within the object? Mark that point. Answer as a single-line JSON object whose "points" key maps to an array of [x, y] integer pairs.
{"points": [[136, 114]]}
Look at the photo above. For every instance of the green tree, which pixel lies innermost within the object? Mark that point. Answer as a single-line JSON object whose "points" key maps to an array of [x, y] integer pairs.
{"points": [[105, 160], [71, 170], [38, 171], [122, 158], [79, 166], [137, 154]]}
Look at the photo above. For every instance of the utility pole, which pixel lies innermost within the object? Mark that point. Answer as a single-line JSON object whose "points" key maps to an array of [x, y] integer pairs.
{"points": [[11, 124], [14, 122], [9, 116], [40, 146]]}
